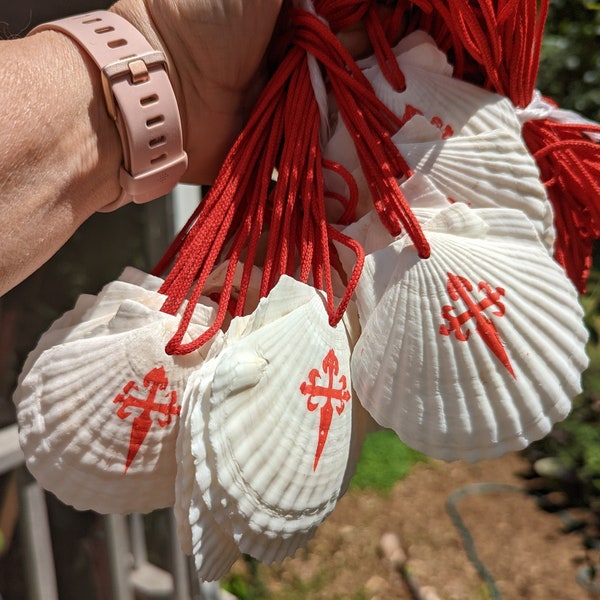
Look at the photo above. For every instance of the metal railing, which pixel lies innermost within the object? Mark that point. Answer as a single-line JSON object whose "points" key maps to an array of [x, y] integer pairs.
{"points": [[34, 522], [132, 576]]}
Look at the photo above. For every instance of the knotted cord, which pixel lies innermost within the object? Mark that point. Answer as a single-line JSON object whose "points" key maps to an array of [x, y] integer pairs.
{"points": [[504, 38], [497, 44], [494, 43]]}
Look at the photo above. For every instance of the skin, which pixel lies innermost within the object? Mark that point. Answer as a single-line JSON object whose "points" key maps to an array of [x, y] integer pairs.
{"points": [[59, 150]]}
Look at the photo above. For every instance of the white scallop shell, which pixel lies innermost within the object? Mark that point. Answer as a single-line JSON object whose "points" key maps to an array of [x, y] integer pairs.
{"points": [[372, 235], [91, 312], [199, 534], [468, 140], [132, 284], [370, 232], [467, 388], [491, 169], [85, 405], [442, 99], [258, 463]]}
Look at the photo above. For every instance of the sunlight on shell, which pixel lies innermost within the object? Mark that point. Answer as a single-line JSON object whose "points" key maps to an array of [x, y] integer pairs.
{"points": [[492, 169], [454, 106], [213, 548], [468, 140], [370, 232], [91, 313], [372, 235], [475, 351], [98, 411]]}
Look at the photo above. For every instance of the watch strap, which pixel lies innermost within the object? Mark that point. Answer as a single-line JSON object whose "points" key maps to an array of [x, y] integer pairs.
{"points": [[139, 97]]}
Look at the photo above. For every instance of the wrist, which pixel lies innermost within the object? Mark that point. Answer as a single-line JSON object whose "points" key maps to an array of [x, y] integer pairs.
{"points": [[139, 98], [79, 142], [208, 110], [137, 14], [97, 139], [59, 152]]}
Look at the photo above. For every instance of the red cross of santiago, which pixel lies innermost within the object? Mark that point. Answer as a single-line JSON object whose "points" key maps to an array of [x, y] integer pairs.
{"points": [[329, 397], [460, 288], [155, 380]]}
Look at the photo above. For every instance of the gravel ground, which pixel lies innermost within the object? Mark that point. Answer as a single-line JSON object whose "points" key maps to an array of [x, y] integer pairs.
{"points": [[523, 547]]}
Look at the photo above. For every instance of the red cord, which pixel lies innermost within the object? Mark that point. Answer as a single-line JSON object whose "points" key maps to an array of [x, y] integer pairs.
{"points": [[245, 205], [569, 163], [279, 223]]}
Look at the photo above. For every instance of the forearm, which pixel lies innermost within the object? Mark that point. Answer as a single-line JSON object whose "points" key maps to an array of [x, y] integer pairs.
{"points": [[59, 151]]}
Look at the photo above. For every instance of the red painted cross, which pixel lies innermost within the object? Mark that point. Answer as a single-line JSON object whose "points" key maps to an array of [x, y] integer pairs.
{"points": [[460, 288], [330, 398], [155, 380]]}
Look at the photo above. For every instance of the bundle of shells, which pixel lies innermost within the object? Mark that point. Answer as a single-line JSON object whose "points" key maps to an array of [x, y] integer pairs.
{"points": [[380, 249]]}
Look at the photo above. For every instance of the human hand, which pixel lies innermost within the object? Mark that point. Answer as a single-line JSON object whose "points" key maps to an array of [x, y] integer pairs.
{"points": [[215, 50]]}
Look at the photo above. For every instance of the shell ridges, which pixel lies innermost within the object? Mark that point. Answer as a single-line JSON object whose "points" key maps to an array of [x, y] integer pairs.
{"points": [[98, 409], [480, 348]]}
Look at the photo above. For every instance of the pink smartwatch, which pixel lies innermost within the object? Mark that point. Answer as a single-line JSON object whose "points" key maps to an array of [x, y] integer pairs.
{"points": [[139, 97]]}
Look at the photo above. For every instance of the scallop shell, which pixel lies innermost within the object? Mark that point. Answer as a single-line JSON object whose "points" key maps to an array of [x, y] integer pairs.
{"points": [[475, 351], [132, 284], [272, 451], [466, 138], [493, 169], [370, 232], [98, 415], [372, 235], [454, 106], [214, 549], [92, 312]]}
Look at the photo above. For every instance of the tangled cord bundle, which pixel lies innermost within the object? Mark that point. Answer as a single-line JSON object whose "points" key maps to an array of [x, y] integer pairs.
{"points": [[431, 303], [568, 156], [283, 136], [493, 44]]}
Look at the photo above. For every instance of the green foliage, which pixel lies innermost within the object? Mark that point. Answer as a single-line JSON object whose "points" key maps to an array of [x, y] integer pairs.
{"points": [[577, 446], [576, 441], [295, 589], [237, 585], [300, 589], [570, 65], [249, 586], [384, 461]]}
